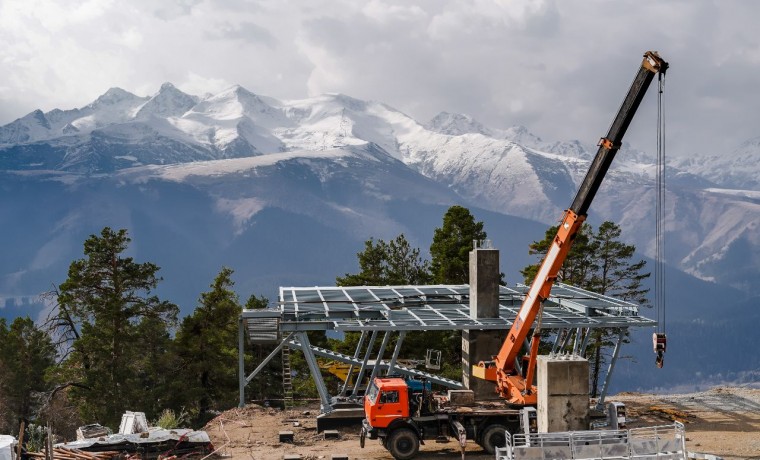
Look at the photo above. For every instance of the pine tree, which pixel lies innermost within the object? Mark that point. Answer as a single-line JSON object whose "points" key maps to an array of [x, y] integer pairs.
{"points": [[206, 345], [105, 298], [26, 352], [452, 243], [391, 263], [598, 262]]}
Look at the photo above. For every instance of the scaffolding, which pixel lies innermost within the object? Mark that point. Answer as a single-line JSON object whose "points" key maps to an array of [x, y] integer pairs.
{"points": [[569, 313]]}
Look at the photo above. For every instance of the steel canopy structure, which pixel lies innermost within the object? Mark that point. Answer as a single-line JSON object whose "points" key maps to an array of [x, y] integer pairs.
{"points": [[570, 314]]}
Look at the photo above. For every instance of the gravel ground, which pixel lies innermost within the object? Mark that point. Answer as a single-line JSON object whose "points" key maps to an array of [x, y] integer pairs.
{"points": [[722, 421]]}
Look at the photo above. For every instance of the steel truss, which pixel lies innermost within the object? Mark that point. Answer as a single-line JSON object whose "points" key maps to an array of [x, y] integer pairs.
{"points": [[570, 314]]}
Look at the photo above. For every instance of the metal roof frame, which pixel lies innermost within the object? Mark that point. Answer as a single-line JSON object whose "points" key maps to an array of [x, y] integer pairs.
{"points": [[399, 309]]}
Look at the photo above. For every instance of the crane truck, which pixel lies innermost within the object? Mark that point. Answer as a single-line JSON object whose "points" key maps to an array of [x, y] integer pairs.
{"points": [[403, 419]]}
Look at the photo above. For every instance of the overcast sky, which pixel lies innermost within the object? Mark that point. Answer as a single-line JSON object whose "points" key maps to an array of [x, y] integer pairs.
{"points": [[560, 68]]}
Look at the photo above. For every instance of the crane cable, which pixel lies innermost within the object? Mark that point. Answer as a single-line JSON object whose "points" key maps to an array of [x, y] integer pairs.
{"points": [[659, 337], [660, 212]]}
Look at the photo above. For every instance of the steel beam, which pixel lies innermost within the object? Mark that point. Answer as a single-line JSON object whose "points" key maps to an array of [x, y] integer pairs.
{"points": [[607, 378], [379, 359], [324, 397], [359, 377], [396, 350], [351, 367]]}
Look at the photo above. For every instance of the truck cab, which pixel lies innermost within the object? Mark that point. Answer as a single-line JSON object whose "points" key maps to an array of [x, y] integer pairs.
{"points": [[387, 400]]}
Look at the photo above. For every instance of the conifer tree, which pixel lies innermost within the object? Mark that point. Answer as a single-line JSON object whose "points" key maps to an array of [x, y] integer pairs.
{"points": [[452, 243], [206, 345], [105, 298], [388, 263], [599, 262], [26, 352]]}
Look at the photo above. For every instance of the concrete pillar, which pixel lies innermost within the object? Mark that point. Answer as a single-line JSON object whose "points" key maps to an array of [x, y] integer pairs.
{"points": [[484, 283], [563, 403], [484, 303]]}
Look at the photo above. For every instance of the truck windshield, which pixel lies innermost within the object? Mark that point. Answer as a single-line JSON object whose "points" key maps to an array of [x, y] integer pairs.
{"points": [[372, 393]]}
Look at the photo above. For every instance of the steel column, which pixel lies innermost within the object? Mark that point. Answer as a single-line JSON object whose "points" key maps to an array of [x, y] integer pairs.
{"points": [[324, 397], [359, 377], [615, 353], [351, 367], [380, 353], [241, 362], [396, 350]]}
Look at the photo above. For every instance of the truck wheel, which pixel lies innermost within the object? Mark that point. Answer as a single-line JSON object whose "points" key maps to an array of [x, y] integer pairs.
{"points": [[403, 444], [494, 436]]}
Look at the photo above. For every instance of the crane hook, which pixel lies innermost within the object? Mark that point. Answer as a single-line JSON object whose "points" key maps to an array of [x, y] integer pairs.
{"points": [[660, 343]]}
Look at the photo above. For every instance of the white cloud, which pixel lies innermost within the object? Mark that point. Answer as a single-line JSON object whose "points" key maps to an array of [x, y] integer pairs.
{"points": [[559, 67]]}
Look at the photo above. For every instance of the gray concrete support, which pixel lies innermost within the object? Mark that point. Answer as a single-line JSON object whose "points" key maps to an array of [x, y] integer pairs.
{"points": [[484, 283], [563, 403], [484, 303]]}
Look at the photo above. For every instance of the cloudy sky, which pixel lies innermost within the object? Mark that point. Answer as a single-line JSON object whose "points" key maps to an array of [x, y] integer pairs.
{"points": [[560, 68]]}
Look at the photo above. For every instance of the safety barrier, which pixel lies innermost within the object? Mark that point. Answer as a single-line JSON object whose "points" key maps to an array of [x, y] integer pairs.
{"points": [[665, 442]]}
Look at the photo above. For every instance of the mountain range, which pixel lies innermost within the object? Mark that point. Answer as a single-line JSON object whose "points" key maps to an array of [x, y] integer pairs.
{"points": [[285, 193]]}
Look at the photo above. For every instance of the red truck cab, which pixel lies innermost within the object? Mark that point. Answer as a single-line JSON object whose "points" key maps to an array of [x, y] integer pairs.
{"points": [[386, 401]]}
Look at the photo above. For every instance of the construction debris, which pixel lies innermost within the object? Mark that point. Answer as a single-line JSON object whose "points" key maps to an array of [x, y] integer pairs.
{"points": [[151, 444], [133, 422], [7, 447], [95, 430], [60, 453], [669, 413]]}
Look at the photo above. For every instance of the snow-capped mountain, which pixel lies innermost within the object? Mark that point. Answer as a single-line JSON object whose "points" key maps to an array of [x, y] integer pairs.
{"points": [[286, 192], [739, 169], [510, 171]]}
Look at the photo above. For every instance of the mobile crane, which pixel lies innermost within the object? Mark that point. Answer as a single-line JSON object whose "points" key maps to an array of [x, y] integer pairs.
{"points": [[403, 417], [516, 388]]}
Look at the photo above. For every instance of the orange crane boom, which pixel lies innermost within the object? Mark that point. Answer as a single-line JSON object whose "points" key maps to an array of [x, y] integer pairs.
{"points": [[516, 388]]}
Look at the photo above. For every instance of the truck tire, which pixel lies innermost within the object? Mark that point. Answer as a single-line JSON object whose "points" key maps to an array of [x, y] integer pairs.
{"points": [[403, 444], [493, 436]]}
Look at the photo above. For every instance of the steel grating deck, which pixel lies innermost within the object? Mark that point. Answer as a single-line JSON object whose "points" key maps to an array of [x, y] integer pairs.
{"points": [[438, 307]]}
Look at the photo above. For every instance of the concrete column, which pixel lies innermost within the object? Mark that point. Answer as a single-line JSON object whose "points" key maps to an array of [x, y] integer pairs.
{"points": [[563, 403], [484, 303], [484, 283]]}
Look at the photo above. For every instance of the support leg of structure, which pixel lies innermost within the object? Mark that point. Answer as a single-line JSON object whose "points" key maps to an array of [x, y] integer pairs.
{"points": [[585, 341], [241, 362], [351, 367], [396, 350], [577, 341], [363, 369], [268, 358], [324, 398], [555, 347], [605, 385], [380, 352]]}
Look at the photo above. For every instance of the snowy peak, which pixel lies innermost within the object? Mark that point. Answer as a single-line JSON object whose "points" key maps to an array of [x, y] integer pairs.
{"points": [[25, 129], [456, 124], [116, 97], [520, 135], [235, 103], [169, 102], [739, 170]]}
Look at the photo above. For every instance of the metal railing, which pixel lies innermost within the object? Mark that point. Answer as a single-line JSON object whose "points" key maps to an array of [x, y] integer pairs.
{"points": [[665, 442]]}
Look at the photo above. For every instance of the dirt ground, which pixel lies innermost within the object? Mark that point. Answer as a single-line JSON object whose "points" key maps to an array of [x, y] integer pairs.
{"points": [[723, 421]]}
